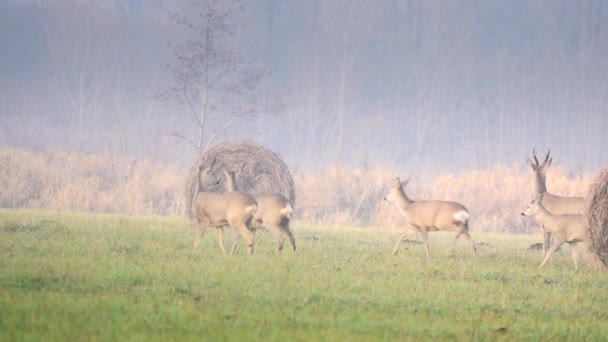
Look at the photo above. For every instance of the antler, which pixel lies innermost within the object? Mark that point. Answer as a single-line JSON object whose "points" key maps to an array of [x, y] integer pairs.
{"points": [[544, 161], [534, 155], [547, 156]]}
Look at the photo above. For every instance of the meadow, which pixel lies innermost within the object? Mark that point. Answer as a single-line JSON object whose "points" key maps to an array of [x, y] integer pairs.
{"points": [[82, 276]]}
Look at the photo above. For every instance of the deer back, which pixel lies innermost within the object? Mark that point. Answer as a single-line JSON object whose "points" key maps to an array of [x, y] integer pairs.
{"points": [[224, 208], [558, 205], [437, 214]]}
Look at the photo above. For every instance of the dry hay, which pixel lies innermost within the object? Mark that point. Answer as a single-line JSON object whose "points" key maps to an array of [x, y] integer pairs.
{"points": [[258, 170], [597, 216]]}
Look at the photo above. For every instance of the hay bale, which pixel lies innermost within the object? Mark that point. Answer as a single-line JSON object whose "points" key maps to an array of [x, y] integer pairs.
{"points": [[597, 216], [258, 170]]}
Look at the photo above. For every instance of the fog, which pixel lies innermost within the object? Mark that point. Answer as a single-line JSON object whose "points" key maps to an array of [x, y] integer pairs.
{"points": [[414, 85]]}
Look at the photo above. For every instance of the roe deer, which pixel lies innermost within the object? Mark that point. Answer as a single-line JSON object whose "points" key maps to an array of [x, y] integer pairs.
{"points": [[425, 216], [220, 209], [570, 228], [274, 213], [556, 205]]}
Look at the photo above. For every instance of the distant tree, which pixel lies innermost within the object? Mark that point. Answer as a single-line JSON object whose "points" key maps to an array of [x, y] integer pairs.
{"points": [[78, 66], [210, 78]]}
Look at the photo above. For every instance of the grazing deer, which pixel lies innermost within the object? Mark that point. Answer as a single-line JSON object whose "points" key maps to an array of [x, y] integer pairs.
{"points": [[274, 213], [425, 216], [556, 205], [570, 228], [220, 209]]}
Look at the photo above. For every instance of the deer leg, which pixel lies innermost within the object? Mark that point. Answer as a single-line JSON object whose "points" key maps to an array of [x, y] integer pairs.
{"points": [[202, 227], [425, 238], [470, 241], [557, 243], [399, 243], [465, 232], [574, 253], [237, 240], [246, 234], [287, 232], [235, 243], [276, 233], [407, 232], [220, 238], [546, 241]]}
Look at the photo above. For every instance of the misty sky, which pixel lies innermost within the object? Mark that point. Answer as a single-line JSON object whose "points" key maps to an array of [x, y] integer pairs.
{"points": [[409, 85]]}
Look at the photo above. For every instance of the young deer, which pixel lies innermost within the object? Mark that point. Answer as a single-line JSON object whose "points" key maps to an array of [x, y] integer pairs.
{"points": [[556, 205], [274, 213], [220, 209], [425, 216], [570, 228]]}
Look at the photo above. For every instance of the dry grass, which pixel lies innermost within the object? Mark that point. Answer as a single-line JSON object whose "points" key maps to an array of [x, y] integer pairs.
{"points": [[495, 196], [597, 215], [339, 196], [66, 180]]}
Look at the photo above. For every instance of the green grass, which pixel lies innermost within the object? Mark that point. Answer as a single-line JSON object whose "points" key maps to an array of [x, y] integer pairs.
{"points": [[79, 276]]}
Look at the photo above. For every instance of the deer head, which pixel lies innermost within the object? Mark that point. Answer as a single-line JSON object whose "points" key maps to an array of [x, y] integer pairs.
{"points": [[533, 207], [206, 177], [396, 190], [540, 170]]}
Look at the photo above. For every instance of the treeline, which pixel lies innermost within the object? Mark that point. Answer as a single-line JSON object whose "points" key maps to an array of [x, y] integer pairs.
{"points": [[106, 182], [424, 84]]}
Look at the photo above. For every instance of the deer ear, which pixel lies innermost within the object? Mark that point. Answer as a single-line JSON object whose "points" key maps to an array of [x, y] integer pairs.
{"points": [[547, 163], [531, 164], [397, 182], [405, 183]]}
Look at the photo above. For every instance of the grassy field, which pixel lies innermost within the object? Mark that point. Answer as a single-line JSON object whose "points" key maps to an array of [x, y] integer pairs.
{"points": [[79, 276]]}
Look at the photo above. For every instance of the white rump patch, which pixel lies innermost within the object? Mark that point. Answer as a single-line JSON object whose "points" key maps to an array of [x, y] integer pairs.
{"points": [[251, 209], [287, 211], [461, 216]]}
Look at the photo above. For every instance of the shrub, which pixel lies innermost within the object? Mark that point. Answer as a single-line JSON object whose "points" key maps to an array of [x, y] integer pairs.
{"points": [[108, 182], [66, 180]]}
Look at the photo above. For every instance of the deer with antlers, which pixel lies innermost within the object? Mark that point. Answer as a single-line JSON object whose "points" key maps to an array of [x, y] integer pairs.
{"points": [[556, 205]]}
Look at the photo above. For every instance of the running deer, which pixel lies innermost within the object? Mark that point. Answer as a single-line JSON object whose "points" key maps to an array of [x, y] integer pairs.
{"points": [[556, 205], [274, 213], [221, 209], [570, 228], [425, 216]]}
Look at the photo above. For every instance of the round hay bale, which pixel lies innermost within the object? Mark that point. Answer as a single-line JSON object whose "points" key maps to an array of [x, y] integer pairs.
{"points": [[258, 170], [597, 217]]}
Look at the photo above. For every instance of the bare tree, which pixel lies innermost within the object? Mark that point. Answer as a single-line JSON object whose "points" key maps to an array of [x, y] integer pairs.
{"points": [[76, 67], [211, 80]]}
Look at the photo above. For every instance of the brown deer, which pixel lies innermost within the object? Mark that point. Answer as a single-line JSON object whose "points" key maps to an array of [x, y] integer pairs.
{"points": [[221, 209], [570, 228], [556, 205], [274, 213], [425, 216]]}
